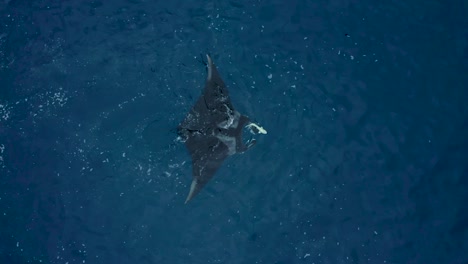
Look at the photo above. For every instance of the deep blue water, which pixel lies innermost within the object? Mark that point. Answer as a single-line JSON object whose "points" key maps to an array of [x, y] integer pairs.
{"points": [[365, 103]]}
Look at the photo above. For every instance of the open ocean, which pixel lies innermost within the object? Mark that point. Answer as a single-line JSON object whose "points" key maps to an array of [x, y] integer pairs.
{"points": [[365, 160]]}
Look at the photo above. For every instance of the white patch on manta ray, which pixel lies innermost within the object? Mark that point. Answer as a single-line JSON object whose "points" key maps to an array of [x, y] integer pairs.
{"points": [[230, 142], [232, 122]]}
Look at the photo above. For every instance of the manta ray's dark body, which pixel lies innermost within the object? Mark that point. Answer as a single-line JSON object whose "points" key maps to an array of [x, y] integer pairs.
{"points": [[212, 130]]}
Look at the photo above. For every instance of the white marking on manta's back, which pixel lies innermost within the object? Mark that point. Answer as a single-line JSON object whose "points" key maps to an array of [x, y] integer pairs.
{"points": [[230, 143], [232, 121]]}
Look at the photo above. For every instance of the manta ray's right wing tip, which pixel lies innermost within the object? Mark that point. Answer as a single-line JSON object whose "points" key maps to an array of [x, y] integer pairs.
{"points": [[209, 65], [192, 191]]}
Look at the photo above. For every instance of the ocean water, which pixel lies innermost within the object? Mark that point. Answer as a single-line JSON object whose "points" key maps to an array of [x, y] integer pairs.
{"points": [[365, 160]]}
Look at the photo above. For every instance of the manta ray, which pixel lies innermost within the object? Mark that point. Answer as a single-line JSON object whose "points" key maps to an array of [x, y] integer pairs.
{"points": [[212, 130]]}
